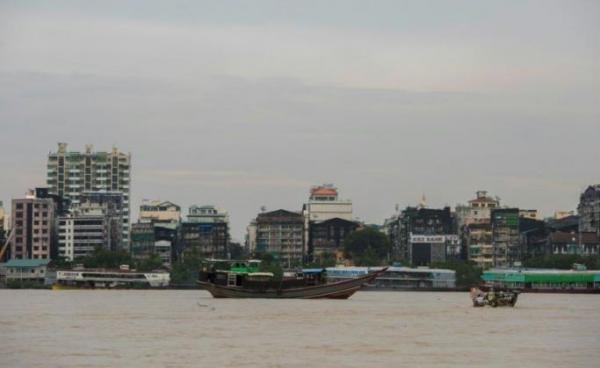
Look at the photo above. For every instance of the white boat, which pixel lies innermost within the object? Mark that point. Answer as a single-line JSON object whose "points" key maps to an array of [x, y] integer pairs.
{"points": [[109, 279]]}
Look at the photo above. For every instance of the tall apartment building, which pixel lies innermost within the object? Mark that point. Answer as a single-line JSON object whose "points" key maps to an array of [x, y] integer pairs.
{"points": [[205, 232], [589, 210], [71, 173], [281, 233], [33, 227]]}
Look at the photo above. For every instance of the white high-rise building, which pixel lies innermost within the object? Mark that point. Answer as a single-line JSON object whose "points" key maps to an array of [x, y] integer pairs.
{"points": [[71, 173]]}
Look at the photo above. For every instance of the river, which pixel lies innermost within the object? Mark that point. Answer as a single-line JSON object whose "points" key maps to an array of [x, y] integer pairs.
{"points": [[158, 328]]}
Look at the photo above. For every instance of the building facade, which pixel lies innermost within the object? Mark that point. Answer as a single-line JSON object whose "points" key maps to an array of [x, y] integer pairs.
{"points": [[426, 235], [2, 229], [155, 238], [71, 173], [80, 235], [506, 238], [281, 233], [33, 227], [326, 238], [475, 228], [589, 210], [161, 211], [205, 232]]}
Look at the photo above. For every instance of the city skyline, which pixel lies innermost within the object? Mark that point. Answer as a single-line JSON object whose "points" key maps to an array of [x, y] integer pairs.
{"points": [[243, 105], [238, 229]]}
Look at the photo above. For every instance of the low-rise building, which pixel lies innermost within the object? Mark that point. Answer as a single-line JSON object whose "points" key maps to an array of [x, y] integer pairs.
{"points": [[24, 270]]}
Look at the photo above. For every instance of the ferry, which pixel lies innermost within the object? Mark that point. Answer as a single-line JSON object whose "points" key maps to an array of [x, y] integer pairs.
{"points": [[545, 280], [109, 279], [398, 278]]}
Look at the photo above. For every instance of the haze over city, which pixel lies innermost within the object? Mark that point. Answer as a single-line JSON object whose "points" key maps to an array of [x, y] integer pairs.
{"points": [[247, 104]]}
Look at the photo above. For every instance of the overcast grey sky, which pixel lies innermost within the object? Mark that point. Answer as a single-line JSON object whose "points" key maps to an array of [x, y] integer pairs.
{"points": [[248, 103]]}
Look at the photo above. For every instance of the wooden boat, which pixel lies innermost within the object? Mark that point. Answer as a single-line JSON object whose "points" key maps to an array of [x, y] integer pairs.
{"points": [[494, 297], [285, 290]]}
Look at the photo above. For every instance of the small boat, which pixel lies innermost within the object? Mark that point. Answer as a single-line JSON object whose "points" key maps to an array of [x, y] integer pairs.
{"points": [[494, 297], [228, 284]]}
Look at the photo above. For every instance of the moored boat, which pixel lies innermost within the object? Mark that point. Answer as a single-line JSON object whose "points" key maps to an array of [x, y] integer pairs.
{"points": [[228, 284], [109, 279]]}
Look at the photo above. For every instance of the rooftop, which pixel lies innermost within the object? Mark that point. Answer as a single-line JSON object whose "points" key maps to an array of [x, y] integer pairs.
{"points": [[27, 263]]}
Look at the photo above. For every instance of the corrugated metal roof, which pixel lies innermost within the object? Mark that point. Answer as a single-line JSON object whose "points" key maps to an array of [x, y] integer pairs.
{"points": [[26, 263]]}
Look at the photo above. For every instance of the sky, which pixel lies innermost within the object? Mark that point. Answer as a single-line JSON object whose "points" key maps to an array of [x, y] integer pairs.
{"points": [[243, 104]]}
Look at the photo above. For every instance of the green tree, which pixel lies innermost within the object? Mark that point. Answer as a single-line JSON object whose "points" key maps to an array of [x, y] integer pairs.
{"points": [[103, 258], [149, 264], [563, 261], [367, 247], [270, 264]]}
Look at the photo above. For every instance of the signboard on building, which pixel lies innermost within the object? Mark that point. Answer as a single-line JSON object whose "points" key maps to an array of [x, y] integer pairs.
{"points": [[428, 239]]}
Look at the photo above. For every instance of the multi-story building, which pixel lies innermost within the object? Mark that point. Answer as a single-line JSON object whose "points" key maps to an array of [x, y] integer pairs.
{"points": [[95, 221], [281, 233], [562, 214], [71, 173], [161, 211], [589, 210], [80, 235], [506, 239], [251, 237], [326, 237], [528, 214], [426, 235], [2, 227], [155, 238], [206, 232], [475, 229], [33, 227], [478, 210], [585, 243], [206, 214], [324, 204]]}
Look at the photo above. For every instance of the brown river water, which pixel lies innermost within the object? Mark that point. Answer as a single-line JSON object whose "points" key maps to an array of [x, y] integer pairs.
{"points": [[155, 328]]}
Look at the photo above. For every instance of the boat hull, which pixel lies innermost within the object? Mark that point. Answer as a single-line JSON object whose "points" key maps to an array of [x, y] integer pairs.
{"points": [[338, 290]]}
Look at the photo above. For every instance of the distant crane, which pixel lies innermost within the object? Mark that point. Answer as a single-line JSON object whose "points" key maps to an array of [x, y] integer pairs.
{"points": [[5, 246]]}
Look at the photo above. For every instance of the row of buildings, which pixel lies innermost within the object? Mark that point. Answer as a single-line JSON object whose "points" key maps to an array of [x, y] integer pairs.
{"points": [[86, 205], [310, 234], [492, 235]]}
